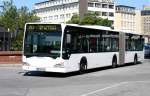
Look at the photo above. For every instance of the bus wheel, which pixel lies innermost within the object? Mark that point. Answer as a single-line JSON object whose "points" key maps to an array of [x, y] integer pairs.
{"points": [[114, 62], [135, 59], [83, 66]]}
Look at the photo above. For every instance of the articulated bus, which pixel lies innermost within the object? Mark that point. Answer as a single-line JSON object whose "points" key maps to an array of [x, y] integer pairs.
{"points": [[66, 48]]}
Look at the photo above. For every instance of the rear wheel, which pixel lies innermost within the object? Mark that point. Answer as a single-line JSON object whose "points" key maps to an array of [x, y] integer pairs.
{"points": [[114, 62], [135, 59]]}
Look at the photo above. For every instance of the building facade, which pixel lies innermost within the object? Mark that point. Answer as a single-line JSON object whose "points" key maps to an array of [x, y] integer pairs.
{"points": [[138, 25], [146, 7], [58, 11], [145, 14], [125, 18], [145, 23]]}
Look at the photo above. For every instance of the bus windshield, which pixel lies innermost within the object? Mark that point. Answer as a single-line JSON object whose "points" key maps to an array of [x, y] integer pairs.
{"points": [[42, 40]]}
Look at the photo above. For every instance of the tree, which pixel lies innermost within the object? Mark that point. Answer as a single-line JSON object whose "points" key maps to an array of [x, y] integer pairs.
{"points": [[91, 18], [24, 16], [106, 22], [14, 20], [75, 19], [9, 15]]}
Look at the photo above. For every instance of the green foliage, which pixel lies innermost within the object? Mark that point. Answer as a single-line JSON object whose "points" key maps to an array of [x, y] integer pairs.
{"points": [[9, 15], [14, 20], [25, 16], [91, 18], [75, 19], [17, 42]]}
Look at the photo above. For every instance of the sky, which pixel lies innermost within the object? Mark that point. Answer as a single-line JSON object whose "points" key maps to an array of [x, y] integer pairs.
{"points": [[133, 3], [19, 3]]}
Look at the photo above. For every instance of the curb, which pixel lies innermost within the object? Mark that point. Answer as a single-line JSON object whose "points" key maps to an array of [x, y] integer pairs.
{"points": [[10, 65]]}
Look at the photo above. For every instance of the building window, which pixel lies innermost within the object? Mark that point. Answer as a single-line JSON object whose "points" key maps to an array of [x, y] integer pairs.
{"points": [[111, 14], [104, 5], [100, 13], [56, 17], [90, 4], [104, 13], [111, 6], [50, 17], [62, 16], [68, 15], [98, 5]]}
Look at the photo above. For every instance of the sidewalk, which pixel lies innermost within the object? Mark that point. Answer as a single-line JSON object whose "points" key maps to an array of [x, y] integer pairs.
{"points": [[10, 64]]}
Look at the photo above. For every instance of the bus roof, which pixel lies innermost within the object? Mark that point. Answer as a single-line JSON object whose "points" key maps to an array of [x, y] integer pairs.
{"points": [[91, 27], [88, 26], [77, 25]]}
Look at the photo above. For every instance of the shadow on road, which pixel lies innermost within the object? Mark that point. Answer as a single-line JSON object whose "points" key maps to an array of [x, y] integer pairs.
{"points": [[64, 75]]}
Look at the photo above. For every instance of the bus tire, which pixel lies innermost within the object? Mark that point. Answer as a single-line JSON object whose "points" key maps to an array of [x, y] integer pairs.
{"points": [[135, 59], [83, 65], [114, 62]]}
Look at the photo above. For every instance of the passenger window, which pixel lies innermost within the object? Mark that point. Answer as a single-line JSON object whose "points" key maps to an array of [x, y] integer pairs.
{"points": [[93, 44]]}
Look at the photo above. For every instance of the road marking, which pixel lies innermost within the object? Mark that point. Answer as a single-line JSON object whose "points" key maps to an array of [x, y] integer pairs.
{"points": [[113, 86]]}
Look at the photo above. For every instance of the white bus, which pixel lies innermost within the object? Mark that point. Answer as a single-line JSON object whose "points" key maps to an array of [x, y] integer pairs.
{"points": [[69, 47]]}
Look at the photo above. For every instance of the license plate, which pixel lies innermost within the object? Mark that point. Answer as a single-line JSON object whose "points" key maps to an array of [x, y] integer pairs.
{"points": [[40, 69]]}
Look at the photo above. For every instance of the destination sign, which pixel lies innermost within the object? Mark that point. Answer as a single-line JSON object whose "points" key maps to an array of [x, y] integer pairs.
{"points": [[43, 27]]}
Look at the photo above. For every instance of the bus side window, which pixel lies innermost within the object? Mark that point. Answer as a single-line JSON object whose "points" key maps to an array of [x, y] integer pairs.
{"points": [[107, 44], [93, 44], [85, 45]]}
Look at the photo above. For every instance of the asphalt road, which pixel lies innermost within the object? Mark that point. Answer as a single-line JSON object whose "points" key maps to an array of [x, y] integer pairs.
{"points": [[132, 80]]}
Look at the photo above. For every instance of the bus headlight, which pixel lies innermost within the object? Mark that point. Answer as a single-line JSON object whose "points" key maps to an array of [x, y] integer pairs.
{"points": [[59, 65]]}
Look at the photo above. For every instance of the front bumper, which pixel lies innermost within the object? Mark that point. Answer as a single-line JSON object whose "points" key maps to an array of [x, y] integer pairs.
{"points": [[44, 69]]}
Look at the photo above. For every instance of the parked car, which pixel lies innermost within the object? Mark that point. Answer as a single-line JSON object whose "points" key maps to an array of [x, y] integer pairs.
{"points": [[147, 50]]}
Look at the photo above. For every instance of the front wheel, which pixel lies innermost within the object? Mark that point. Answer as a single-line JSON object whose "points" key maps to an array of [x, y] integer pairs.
{"points": [[83, 68]]}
